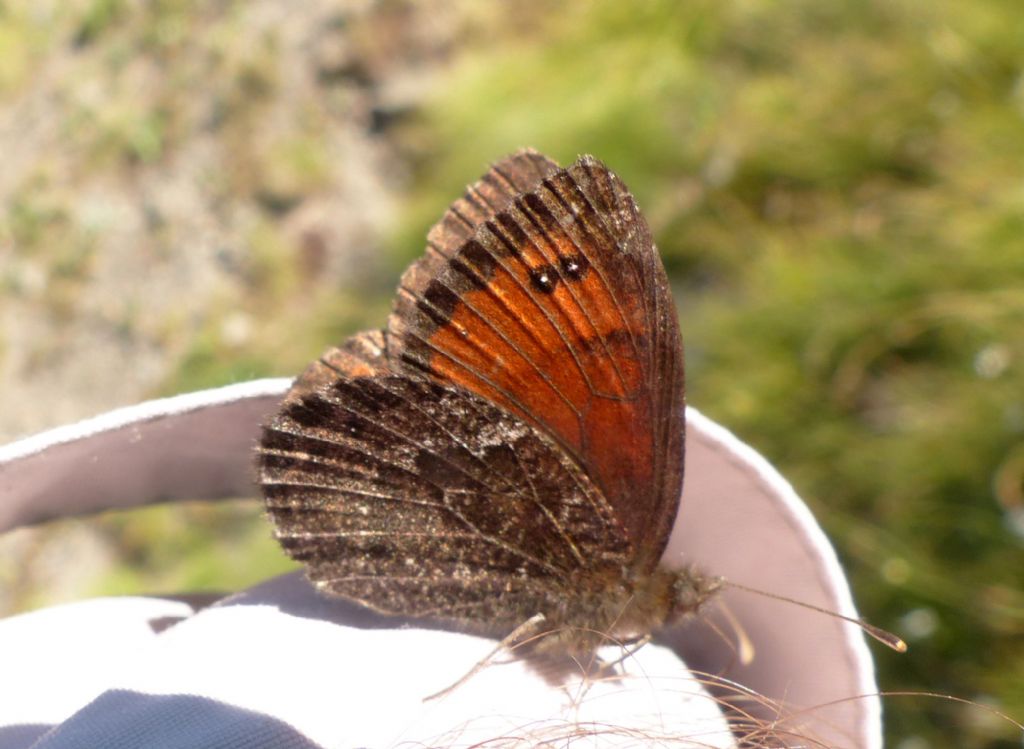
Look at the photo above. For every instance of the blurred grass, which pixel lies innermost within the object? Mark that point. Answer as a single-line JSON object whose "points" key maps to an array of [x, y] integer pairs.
{"points": [[837, 191], [188, 558], [161, 549]]}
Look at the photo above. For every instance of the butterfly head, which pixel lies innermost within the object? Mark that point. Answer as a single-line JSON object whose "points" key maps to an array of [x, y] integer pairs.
{"points": [[691, 589]]}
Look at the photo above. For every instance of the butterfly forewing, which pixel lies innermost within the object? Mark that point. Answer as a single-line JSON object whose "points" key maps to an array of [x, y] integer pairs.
{"points": [[506, 180], [511, 177], [421, 499], [553, 304]]}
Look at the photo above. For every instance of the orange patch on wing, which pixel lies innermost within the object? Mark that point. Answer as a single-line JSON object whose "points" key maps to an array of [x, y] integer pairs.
{"points": [[544, 338], [555, 307]]}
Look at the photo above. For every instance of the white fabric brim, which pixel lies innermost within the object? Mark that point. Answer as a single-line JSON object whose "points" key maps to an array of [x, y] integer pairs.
{"points": [[280, 665]]}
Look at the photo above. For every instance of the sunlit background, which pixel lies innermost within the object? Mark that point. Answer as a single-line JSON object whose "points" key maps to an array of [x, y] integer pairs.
{"points": [[199, 193]]}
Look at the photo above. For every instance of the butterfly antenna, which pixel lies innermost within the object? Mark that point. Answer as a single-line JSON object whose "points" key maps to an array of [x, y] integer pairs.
{"points": [[884, 637]]}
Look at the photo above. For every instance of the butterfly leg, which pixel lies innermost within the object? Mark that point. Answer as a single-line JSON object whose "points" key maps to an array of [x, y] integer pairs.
{"points": [[526, 629], [602, 669], [629, 648]]}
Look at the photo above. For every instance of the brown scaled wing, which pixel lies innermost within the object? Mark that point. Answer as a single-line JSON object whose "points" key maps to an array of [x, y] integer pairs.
{"points": [[542, 291], [422, 499], [515, 436]]}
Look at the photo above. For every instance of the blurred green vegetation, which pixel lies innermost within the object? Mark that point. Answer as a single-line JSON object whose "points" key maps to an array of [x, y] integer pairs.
{"points": [[838, 192], [181, 548]]}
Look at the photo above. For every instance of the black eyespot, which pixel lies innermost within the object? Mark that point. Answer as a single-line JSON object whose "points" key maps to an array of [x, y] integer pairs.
{"points": [[544, 278], [574, 267]]}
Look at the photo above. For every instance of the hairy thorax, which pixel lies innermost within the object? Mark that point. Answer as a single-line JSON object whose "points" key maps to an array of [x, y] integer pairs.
{"points": [[614, 608]]}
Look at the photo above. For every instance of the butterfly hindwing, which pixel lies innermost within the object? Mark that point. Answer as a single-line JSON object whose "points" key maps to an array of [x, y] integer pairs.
{"points": [[362, 355], [423, 499]]}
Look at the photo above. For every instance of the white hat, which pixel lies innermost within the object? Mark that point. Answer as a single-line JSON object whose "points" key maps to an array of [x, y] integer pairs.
{"points": [[280, 666]]}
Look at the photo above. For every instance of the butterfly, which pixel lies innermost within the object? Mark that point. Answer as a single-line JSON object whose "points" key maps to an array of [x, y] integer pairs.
{"points": [[510, 446]]}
